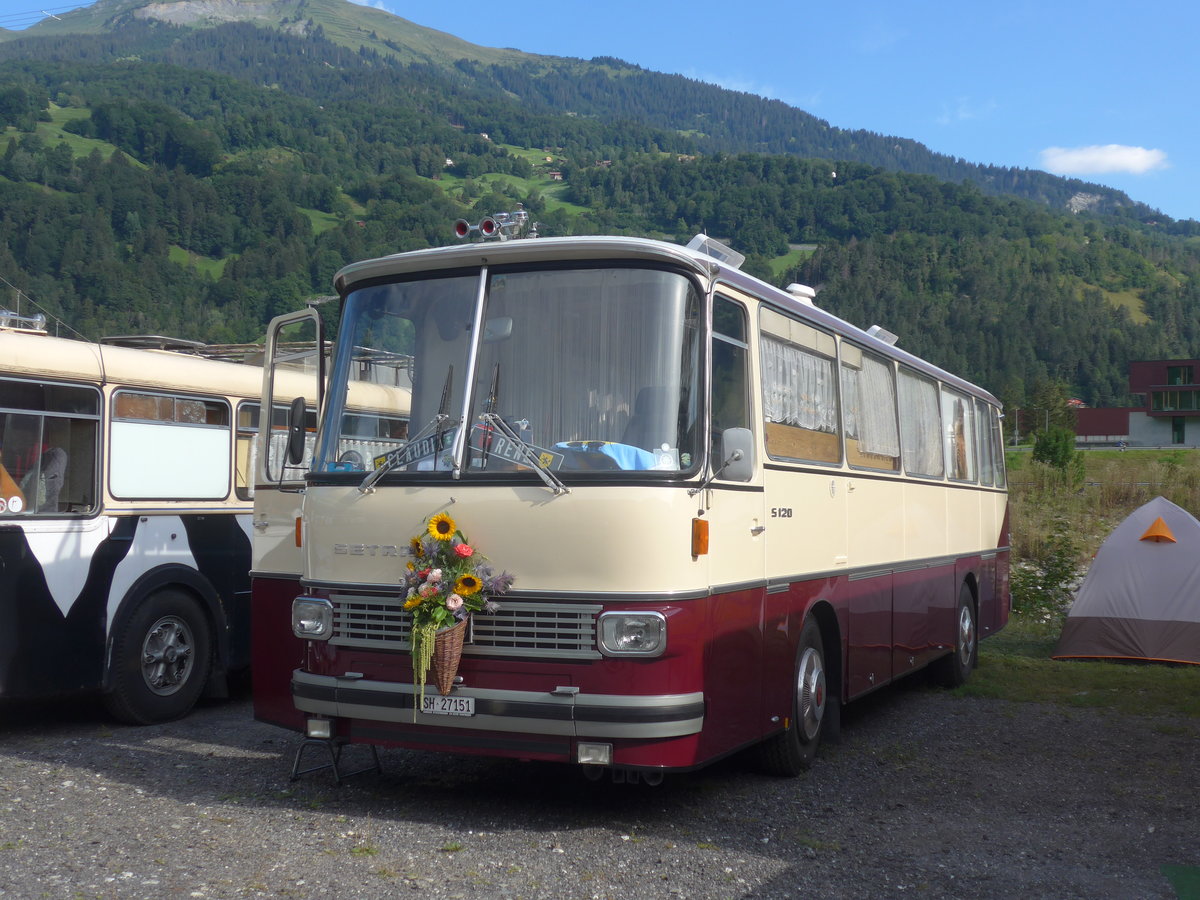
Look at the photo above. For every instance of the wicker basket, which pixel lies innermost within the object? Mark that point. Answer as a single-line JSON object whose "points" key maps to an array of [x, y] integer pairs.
{"points": [[447, 651]]}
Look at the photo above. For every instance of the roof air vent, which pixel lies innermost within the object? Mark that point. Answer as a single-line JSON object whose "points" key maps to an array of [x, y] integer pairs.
{"points": [[803, 293]]}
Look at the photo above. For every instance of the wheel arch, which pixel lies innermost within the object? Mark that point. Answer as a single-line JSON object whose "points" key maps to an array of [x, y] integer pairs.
{"points": [[831, 638], [178, 577]]}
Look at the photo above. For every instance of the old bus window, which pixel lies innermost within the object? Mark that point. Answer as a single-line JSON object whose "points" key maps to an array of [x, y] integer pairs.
{"points": [[997, 435], [730, 384], [246, 454], [48, 449], [169, 447], [958, 420], [986, 465], [920, 425], [869, 411], [799, 391]]}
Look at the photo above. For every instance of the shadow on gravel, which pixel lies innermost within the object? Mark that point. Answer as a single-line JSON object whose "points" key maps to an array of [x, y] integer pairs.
{"points": [[928, 794], [220, 755]]}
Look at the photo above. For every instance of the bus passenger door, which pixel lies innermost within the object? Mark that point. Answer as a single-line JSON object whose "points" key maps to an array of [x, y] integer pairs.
{"points": [[736, 558], [293, 371]]}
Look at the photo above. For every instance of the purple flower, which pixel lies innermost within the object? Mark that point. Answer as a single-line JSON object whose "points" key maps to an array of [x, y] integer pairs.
{"points": [[497, 584]]}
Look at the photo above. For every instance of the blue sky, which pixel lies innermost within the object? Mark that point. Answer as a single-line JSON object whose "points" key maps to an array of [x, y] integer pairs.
{"points": [[1099, 90]]}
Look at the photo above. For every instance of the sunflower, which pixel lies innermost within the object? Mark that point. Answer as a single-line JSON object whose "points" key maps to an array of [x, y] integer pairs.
{"points": [[442, 527], [467, 585], [415, 548], [412, 602]]}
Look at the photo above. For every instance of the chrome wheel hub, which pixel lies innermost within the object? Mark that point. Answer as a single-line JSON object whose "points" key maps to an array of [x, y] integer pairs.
{"points": [[167, 657], [810, 697]]}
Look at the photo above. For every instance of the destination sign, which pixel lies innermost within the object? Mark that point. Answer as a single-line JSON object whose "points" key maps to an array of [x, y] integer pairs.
{"points": [[494, 444], [422, 448]]}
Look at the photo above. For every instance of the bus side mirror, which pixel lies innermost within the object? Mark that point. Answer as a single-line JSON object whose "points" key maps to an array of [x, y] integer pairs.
{"points": [[296, 432], [737, 454]]}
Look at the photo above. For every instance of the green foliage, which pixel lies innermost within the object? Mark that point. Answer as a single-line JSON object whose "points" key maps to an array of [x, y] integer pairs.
{"points": [[1055, 447], [252, 164], [1042, 584]]}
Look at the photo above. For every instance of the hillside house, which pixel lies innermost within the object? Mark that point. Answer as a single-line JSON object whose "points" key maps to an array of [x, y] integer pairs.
{"points": [[1166, 410]]}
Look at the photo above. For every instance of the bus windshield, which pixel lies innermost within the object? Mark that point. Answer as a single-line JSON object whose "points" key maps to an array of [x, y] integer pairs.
{"points": [[575, 370]]}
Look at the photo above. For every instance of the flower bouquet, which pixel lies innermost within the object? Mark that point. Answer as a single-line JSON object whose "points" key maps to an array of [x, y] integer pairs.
{"points": [[447, 580]]}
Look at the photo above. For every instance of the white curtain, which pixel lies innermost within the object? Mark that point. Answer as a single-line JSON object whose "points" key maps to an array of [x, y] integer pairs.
{"points": [[798, 387], [871, 407], [922, 425]]}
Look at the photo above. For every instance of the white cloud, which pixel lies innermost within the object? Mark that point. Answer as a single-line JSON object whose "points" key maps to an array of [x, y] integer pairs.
{"points": [[1103, 159], [965, 110]]}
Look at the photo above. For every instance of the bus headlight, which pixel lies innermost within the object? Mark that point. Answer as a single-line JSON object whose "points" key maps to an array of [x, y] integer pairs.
{"points": [[312, 618], [633, 634]]}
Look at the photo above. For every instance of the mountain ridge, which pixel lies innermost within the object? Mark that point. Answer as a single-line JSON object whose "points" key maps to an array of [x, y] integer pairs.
{"points": [[736, 121], [195, 181]]}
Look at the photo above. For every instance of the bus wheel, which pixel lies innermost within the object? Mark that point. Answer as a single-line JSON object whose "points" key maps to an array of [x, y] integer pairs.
{"points": [[793, 751], [954, 670], [161, 658]]}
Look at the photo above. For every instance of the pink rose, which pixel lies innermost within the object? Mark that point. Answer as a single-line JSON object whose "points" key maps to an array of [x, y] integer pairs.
{"points": [[463, 550], [427, 590], [454, 603]]}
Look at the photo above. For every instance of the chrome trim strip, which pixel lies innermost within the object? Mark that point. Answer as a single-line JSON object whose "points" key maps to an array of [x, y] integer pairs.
{"points": [[526, 712], [390, 590]]}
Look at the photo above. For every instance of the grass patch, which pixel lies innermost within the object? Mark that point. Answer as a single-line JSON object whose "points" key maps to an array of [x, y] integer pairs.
{"points": [[1131, 301], [1016, 665], [52, 133], [319, 220], [205, 265], [796, 255]]}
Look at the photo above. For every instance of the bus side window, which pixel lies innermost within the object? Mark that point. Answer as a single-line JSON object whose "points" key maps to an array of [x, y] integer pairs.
{"points": [[48, 440], [869, 410], [799, 391], [730, 381]]}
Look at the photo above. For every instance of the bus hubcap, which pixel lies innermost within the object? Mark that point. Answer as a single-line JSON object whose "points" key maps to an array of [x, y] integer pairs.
{"points": [[811, 696]]}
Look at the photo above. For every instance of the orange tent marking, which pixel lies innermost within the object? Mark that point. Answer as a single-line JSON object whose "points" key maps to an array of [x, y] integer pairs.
{"points": [[1158, 532]]}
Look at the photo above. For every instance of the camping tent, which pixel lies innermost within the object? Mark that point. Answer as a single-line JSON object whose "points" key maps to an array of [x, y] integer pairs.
{"points": [[1141, 596]]}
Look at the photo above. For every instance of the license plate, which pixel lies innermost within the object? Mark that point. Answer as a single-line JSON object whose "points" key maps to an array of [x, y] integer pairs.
{"points": [[437, 705]]}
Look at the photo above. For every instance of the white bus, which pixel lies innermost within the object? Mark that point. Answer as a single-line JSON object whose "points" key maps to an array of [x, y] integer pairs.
{"points": [[125, 505], [726, 510]]}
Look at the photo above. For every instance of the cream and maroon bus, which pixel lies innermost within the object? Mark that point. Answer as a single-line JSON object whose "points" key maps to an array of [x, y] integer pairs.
{"points": [[726, 511], [125, 516]]}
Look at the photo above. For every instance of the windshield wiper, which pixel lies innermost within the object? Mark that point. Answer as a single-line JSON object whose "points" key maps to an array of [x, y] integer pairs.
{"points": [[527, 453], [436, 425]]}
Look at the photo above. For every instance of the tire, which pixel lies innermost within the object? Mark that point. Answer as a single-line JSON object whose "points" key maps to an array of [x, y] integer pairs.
{"points": [[161, 660], [954, 670], [814, 711]]}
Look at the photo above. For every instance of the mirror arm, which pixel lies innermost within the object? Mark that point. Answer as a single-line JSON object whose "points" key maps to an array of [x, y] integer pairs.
{"points": [[733, 457]]}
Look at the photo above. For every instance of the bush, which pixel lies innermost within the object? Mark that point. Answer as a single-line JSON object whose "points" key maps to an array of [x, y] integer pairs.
{"points": [[1056, 448], [1043, 584]]}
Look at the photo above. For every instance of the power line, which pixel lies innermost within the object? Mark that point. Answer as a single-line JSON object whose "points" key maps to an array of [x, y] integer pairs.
{"points": [[19, 20], [50, 317]]}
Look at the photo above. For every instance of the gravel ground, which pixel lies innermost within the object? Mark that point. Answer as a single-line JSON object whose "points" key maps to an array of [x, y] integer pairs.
{"points": [[927, 795]]}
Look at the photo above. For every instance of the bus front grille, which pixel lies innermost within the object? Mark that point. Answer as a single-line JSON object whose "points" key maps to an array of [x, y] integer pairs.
{"points": [[517, 628]]}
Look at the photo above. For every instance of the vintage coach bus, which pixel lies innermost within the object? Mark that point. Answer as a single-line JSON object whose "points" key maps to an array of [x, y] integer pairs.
{"points": [[730, 512], [125, 505]]}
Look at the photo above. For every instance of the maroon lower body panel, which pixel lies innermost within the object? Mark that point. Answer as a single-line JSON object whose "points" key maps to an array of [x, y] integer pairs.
{"points": [[275, 651]]}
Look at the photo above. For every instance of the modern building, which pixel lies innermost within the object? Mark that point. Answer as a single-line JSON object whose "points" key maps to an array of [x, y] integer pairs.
{"points": [[1166, 395]]}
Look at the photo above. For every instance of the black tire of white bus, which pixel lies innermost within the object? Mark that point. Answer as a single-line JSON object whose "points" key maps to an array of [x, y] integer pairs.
{"points": [[815, 712], [161, 658], [954, 669]]}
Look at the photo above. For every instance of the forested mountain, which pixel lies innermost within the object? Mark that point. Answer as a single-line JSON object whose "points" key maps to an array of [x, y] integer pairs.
{"points": [[196, 179]]}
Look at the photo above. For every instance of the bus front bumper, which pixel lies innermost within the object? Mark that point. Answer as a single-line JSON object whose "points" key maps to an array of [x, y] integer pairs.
{"points": [[565, 712]]}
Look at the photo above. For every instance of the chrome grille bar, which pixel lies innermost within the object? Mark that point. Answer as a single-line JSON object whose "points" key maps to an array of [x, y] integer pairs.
{"points": [[518, 628]]}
